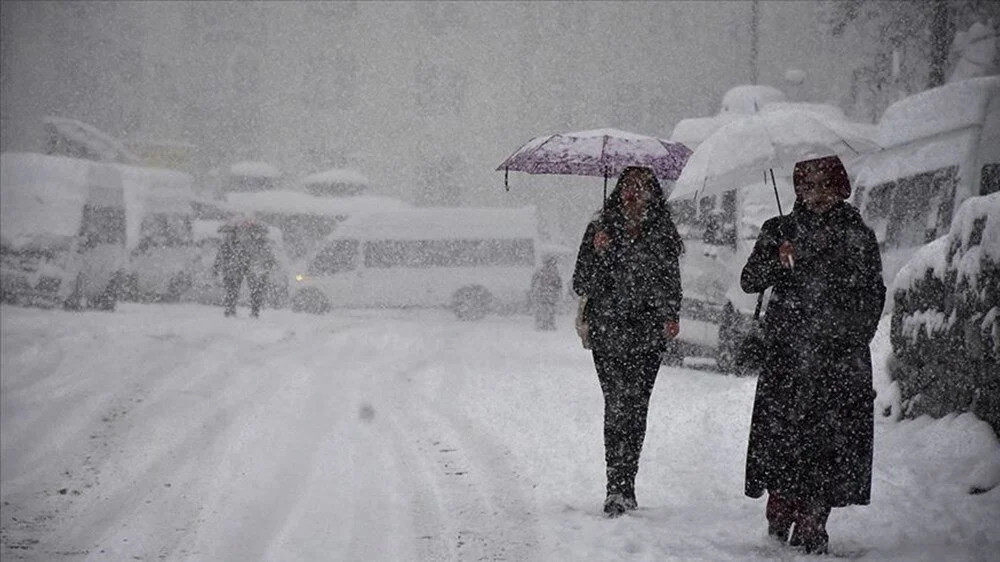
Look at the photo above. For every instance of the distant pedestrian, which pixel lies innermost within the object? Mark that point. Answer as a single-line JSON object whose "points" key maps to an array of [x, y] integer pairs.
{"points": [[628, 271], [811, 435], [244, 254], [546, 288]]}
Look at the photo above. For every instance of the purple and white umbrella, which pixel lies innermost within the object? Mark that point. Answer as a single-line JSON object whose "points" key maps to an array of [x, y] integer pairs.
{"points": [[600, 152]]}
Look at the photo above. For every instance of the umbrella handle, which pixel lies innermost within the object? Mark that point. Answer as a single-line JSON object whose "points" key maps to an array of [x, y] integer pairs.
{"points": [[506, 173], [775, 186], [605, 202]]}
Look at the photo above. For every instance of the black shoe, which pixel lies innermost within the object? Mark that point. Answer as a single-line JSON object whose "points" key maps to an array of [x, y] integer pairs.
{"points": [[779, 531], [817, 543], [614, 506]]}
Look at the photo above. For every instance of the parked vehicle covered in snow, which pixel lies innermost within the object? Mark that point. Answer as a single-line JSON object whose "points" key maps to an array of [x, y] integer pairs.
{"points": [[62, 231], [945, 329], [159, 210], [472, 260], [940, 147]]}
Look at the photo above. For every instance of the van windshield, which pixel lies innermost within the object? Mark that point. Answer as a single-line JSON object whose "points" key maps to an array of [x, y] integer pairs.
{"points": [[450, 253], [337, 257]]}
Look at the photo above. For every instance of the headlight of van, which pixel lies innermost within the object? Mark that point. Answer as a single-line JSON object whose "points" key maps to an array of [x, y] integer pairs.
{"points": [[299, 277]]}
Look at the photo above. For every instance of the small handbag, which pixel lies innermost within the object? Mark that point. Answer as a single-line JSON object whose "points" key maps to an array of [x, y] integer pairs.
{"points": [[753, 348]]}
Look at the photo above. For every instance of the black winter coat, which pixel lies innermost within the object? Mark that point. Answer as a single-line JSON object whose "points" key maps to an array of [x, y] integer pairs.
{"points": [[632, 287], [811, 435]]}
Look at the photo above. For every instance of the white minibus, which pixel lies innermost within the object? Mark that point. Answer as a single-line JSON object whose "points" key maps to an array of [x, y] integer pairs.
{"points": [[940, 147], [472, 260]]}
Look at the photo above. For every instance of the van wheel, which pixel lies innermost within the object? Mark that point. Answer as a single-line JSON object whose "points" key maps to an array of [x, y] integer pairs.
{"points": [[310, 300], [471, 303]]}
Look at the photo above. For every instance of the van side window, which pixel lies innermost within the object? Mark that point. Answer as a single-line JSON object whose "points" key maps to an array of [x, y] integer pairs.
{"points": [[166, 229], [338, 256], [921, 207], [989, 181], [102, 225], [449, 253]]}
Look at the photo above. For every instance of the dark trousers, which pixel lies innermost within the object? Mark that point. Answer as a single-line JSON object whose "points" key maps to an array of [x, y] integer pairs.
{"points": [[232, 283], [627, 383]]}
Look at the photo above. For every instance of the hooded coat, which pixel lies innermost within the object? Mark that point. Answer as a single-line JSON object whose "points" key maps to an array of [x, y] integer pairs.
{"points": [[632, 287], [811, 435]]}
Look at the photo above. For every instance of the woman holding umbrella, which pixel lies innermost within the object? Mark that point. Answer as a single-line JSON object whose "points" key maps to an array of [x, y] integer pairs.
{"points": [[627, 268], [811, 434]]}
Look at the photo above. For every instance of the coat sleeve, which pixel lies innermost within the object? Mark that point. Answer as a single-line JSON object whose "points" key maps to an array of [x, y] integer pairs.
{"points": [[763, 269], [585, 272], [866, 297], [673, 294]]}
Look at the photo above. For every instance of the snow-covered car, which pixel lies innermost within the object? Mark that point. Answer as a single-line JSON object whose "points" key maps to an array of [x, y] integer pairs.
{"points": [[62, 231], [715, 312], [207, 288], [945, 329]]}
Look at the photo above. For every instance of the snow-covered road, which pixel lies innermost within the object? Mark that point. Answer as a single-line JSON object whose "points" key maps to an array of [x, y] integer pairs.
{"points": [[169, 432]]}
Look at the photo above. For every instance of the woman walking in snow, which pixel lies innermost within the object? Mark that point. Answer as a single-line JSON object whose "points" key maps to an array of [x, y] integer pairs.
{"points": [[627, 269], [811, 435]]}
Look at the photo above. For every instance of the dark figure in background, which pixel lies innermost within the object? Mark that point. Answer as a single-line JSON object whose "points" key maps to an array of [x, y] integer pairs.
{"points": [[244, 254], [628, 270], [546, 287], [811, 436]]}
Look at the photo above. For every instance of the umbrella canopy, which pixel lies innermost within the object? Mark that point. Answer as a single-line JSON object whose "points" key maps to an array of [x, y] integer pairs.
{"points": [[600, 152], [739, 152]]}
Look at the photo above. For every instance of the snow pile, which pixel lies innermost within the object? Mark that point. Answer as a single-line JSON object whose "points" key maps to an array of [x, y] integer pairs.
{"points": [[750, 98], [944, 328]]}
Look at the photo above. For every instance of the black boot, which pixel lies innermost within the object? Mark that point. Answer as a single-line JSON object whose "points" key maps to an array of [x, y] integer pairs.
{"points": [[810, 529], [614, 505]]}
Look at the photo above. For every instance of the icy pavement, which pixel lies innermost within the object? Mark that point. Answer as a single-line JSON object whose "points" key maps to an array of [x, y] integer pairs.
{"points": [[169, 432]]}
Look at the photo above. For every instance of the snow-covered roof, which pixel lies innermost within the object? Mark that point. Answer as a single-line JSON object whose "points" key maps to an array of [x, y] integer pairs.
{"points": [[946, 108], [44, 195], [253, 169], [297, 202], [750, 98], [337, 175], [436, 223], [99, 143], [911, 159], [692, 131], [825, 109], [41, 196]]}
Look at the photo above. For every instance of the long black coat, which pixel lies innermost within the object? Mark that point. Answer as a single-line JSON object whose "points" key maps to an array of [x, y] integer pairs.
{"points": [[632, 287], [811, 435]]}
